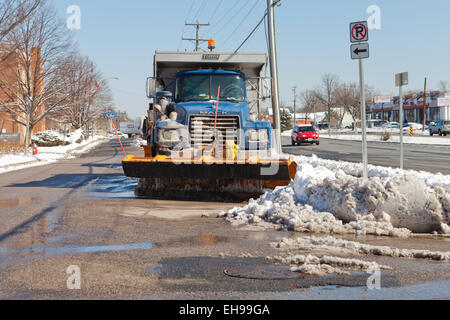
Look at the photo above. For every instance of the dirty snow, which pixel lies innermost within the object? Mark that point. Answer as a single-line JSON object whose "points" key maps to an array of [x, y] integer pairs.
{"points": [[322, 256], [330, 197], [334, 246], [320, 266]]}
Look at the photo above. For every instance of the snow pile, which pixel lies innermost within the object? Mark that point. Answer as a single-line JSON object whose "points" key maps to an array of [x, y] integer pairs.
{"points": [[53, 138], [76, 136], [321, 266], [324, 262], [331, 245], [49, 139], [330, 198]]}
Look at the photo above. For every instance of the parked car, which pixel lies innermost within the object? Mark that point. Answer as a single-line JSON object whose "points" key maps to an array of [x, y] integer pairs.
{"points": [[376, 123], [391, 125], [416, 126], [304, 134], [441, 127]]}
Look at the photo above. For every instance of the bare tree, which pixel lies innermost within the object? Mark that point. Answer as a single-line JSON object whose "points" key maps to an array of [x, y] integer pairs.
{"points": [[326, 94], [41, 42], [309, 101], [12, 14], [89, 92]]}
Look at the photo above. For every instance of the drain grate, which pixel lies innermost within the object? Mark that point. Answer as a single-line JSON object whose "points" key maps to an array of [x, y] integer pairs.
{"points": [[262, 272]]}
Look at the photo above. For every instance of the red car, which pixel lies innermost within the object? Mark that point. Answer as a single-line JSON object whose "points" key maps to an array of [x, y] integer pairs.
{"points": [[304, 134]]}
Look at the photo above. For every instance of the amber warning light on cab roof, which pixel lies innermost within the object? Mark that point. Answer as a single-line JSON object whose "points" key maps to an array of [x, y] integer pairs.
{"points": [[211, 44]]}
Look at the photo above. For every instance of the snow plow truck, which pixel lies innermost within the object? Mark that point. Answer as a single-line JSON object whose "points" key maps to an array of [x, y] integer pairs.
{"points": [[204, 133]]}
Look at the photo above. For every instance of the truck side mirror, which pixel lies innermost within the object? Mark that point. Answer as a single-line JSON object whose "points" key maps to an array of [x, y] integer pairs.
{"points": [[151, 87]]}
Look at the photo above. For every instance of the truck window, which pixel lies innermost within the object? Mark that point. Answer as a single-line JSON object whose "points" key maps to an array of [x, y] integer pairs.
{"points": [[231, 88], [204, 88]]}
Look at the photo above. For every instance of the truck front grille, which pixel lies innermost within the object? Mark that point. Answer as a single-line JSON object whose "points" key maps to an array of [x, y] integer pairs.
{"points": [[201, 129]]}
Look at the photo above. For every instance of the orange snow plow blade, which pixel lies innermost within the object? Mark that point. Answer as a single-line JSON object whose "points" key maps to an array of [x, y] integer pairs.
{"points": [[186, 178]]}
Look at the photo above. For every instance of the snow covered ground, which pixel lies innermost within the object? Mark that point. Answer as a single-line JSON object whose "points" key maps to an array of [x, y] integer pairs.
{"points": [[48, 155], [347, 134], [416, 139], [331, 197]]}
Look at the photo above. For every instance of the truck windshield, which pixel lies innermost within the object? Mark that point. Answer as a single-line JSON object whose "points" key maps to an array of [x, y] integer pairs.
{"points": [[204, 88]]}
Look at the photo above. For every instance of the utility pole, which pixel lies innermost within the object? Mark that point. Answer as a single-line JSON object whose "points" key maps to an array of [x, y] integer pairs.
{"points": [[363, 120], [295, 105], [401, 79], [197, 33], [274, 73], [424, 105]]}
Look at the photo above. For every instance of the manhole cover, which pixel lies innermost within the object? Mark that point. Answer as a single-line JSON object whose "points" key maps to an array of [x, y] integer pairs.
{"points": [[262, 272]]}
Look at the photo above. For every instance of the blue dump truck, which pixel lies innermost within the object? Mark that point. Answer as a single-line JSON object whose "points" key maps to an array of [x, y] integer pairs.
{"points": [[204, 128]]}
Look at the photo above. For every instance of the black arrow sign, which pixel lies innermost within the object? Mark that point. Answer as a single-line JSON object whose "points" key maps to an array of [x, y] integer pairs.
{"points": [[357, 51]]}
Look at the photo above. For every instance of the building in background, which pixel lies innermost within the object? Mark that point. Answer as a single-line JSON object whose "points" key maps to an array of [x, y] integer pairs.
{"points": [[413, 108], [10, 73]]}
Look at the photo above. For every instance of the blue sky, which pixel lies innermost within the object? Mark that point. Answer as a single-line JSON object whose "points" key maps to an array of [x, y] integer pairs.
{"points": [[313, 39]]}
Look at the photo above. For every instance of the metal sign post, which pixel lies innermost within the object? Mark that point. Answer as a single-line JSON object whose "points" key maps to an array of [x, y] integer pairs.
{"points": [[401, 79], [359, 34]]}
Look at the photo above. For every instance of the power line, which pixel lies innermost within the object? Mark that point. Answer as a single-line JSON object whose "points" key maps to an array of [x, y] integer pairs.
{"points": [[184, 26], [215, 11], [252, 32], [239, 25], [200, 10], [223, 16]]}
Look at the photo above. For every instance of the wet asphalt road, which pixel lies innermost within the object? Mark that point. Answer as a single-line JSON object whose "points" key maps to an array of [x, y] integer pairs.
{"points": [[82, 213], [417, 157]]}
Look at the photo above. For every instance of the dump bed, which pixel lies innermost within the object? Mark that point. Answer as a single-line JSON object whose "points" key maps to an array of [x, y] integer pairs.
{"points": [[168, 63]]}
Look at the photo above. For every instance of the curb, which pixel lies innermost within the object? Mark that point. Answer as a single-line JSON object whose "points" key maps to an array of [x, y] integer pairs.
{"points": [[14, 165], [67, 154]]}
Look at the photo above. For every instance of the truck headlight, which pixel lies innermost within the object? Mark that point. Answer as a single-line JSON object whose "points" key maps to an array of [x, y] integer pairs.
{"points": [[260, 136]]}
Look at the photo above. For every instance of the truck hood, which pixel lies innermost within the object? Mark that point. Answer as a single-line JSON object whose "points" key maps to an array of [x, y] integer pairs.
{"points": [[185, 109]]}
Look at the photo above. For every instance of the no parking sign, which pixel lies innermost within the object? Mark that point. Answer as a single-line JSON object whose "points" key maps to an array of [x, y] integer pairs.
{"points": [[359, 32]]}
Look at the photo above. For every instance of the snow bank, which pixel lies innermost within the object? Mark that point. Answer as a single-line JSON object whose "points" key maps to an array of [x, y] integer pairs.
{"points": [[321, 266], [332, 245], [330, 197], [324, 263], [416, 139], [47, 155]]}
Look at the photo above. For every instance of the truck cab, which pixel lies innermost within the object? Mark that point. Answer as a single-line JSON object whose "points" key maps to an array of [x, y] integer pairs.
{"points": [[205, 101]]}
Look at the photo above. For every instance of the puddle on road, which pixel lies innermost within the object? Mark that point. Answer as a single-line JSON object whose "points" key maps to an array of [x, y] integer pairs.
{"points": [[426, 291], [19, 202], [113, 186], [202, 240], [48, 251]]}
